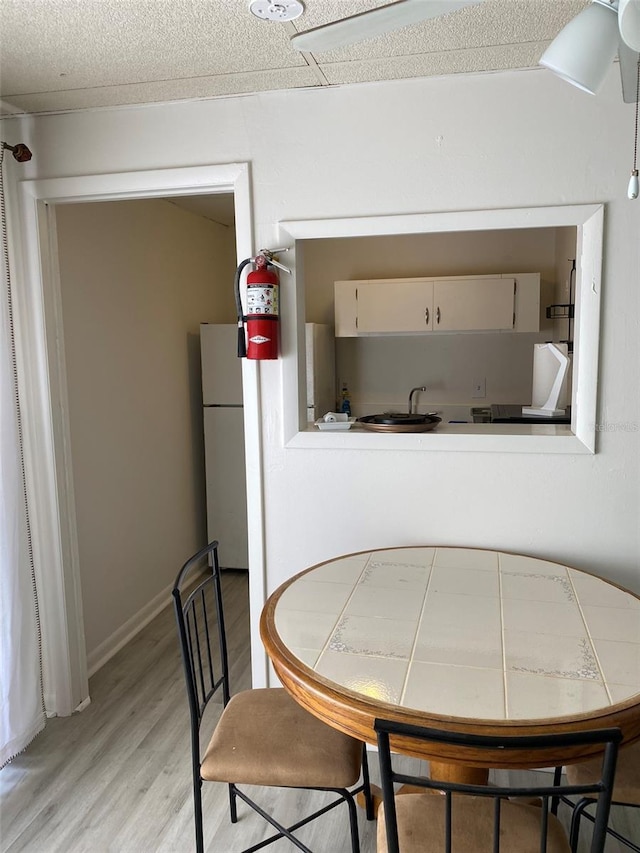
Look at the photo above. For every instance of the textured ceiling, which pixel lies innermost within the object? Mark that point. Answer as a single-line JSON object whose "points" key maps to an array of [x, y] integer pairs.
{"points": [[58, 55]]}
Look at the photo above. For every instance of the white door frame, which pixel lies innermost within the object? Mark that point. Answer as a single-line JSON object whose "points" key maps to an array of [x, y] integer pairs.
{"points": [[40, 351]]}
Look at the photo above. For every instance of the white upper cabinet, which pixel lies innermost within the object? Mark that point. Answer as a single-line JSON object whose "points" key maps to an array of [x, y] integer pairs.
{"points": [[467, 304], [395, 306], [430, 305]]}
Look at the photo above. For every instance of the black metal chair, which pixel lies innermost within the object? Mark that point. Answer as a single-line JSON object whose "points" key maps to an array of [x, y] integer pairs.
{"points": [[483, 818], [262, 737], [626, 793]]}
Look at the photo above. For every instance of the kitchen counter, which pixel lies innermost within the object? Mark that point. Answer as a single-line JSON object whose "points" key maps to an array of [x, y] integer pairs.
{"points": [[447, 437], [512, 414]]}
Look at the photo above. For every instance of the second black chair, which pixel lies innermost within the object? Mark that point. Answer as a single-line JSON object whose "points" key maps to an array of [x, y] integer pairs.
{"points": [[262, 737], [626, 794], [479, 818]]}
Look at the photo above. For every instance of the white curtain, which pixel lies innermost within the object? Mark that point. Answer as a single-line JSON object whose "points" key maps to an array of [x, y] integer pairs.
{"points": [[22, 713]]}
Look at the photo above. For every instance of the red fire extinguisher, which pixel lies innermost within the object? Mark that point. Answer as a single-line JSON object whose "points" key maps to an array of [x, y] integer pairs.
{"points": [[258, 327]]}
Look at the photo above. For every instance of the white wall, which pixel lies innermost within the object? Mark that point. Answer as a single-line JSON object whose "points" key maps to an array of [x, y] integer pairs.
{"points": [[137, 279], [460, 143]]}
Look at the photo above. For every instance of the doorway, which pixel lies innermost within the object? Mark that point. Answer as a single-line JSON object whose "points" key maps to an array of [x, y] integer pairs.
{"points": [[137, 277], [40, 332]]}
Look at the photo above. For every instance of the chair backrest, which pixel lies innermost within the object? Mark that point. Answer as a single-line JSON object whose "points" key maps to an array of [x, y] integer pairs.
{"points": [[197, 599], [608, 739]]}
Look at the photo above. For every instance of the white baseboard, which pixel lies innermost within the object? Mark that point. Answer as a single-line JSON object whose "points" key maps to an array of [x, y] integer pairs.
{"points": [[107, 649]]}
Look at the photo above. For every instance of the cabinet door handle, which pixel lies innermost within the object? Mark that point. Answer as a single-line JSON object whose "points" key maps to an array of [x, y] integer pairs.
{"points": [[438, 315], [426, 316]]}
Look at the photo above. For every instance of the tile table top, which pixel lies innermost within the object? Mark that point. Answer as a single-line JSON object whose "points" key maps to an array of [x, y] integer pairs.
{"points": [[466, 632]]}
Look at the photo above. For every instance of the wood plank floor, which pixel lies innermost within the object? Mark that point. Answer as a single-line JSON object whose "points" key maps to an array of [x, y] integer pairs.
{"points": [[116, 778]]}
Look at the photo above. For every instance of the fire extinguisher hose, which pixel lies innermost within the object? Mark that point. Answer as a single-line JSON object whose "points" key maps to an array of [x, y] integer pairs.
{"points": [[242, 343]]}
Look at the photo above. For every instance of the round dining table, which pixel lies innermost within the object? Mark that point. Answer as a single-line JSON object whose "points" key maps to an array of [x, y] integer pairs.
{"points": [[458, 639]]}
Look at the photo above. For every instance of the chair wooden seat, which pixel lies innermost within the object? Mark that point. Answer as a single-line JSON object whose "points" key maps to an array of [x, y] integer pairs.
{"points": [[421, 821], [265, 738]]}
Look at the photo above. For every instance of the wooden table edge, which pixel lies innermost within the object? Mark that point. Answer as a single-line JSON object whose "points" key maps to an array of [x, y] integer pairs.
{"points": [[354, 714]]}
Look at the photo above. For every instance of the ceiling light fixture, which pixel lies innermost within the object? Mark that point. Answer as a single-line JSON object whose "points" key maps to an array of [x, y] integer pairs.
{"points": [[629, 23], [583, 51]]}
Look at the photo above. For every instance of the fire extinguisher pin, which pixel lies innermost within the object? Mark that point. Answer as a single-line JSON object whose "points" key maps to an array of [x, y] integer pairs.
{"points": [[280, 266], [269, 253]]}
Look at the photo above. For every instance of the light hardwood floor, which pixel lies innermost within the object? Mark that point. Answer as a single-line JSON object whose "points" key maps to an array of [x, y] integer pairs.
{"points": [[116, 778]]}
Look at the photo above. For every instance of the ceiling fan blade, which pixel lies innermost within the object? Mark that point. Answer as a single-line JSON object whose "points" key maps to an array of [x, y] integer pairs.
{"points": [[375, 22], [628, 72]]}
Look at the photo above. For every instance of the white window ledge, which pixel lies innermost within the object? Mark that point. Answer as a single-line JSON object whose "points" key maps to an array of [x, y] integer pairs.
{"points": [[485, 438]]}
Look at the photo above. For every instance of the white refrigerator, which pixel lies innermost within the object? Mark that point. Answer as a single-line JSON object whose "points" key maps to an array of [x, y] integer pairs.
{"points": [[321, 369], [224, 443], [224, 427]]}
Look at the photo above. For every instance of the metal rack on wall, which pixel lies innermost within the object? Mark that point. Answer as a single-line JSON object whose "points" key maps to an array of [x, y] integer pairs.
{"points": [[566, 310]]}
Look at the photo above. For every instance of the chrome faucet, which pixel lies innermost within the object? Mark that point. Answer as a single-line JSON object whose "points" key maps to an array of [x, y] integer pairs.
{"points": [[411, 393]]}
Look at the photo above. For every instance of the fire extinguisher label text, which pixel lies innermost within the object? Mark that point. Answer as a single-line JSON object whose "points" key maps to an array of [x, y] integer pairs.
{"points": [[262, 300]]}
